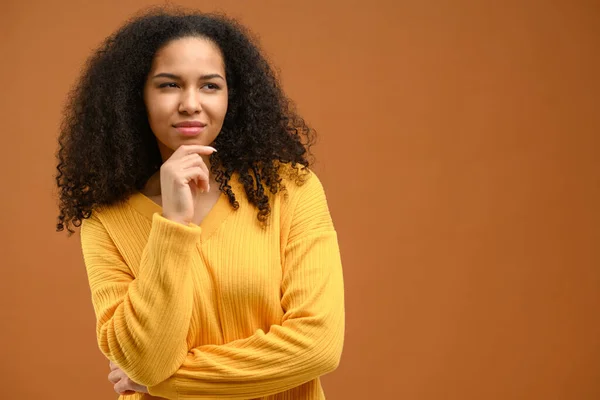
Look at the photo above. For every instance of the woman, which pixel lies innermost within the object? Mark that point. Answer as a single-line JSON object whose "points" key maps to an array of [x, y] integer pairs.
{"points": [[212, 259]]}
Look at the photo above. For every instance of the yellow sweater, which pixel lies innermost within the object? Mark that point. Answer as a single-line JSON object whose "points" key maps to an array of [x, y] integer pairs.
{"points": [[223, 310]]}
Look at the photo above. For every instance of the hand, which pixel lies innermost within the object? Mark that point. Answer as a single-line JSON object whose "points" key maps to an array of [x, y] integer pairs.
{"points": [[181, 176], [122, 384]]}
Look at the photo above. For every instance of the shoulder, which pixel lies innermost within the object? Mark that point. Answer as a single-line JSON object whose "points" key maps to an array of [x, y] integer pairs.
{"points": [[301, 186], [106, 218], [300, 181], [305, 205]]}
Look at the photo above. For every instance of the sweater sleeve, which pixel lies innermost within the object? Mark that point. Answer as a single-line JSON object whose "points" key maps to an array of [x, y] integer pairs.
{"points": [[142, 321], [308, 342]]}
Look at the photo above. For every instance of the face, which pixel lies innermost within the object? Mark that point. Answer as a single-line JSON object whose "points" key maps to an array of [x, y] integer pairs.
{"points": [[186, 94]]}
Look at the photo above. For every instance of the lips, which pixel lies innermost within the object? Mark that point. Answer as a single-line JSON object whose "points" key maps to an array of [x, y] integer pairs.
{"points": [[190, 128], [190, 124]]}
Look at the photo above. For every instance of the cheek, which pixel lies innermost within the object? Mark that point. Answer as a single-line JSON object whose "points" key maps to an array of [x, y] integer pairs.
{"points": [[159, 110], [219, 107]]}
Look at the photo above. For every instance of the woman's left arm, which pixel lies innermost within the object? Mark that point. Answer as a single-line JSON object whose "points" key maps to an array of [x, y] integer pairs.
{"points": [[309, 341]]}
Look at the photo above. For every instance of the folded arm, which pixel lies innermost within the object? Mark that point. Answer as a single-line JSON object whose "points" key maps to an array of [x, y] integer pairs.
{"points": [[138, 315], [308, 342]]}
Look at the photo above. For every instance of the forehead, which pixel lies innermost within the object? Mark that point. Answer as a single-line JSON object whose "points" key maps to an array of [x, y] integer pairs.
{"points": [[189, 55]]}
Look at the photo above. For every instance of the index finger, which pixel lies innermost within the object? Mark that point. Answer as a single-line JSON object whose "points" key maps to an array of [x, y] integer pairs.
{"points": [[196, 149]]}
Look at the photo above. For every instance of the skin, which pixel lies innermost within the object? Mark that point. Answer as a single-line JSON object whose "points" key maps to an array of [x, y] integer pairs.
{"points": [[187, 82], [196, 91], [122, 384]]}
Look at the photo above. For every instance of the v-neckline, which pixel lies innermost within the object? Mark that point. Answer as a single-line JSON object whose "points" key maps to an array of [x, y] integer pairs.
{"points": [[209, 225]]}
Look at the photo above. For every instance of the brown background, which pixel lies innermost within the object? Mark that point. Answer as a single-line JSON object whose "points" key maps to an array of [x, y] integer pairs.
{"points": [[458, 147]]}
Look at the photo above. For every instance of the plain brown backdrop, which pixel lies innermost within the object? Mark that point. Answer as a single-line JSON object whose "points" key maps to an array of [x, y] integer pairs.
{"points": [[459, 149]]}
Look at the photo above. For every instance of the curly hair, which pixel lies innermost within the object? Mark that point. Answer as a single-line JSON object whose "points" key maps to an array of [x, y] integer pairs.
{"points": [[107, 150]]}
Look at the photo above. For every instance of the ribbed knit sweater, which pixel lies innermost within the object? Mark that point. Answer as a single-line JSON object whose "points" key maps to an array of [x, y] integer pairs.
{"points": [[228, 309]]}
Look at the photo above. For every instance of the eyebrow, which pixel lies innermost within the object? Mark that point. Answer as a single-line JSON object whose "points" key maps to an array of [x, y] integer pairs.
{"points": [[173, 76]]}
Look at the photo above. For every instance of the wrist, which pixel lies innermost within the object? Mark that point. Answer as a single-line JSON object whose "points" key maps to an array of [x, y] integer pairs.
{"points": [[176, 218]]}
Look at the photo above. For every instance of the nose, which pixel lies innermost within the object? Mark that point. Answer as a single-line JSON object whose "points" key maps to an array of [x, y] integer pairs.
{"points": [[190, 102]]}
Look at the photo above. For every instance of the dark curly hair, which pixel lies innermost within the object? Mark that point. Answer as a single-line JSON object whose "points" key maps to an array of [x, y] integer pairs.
{"points": [[107, 150]]}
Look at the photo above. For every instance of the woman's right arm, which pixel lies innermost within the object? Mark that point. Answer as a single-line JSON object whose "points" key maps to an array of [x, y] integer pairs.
{"points": [[142, 321]]}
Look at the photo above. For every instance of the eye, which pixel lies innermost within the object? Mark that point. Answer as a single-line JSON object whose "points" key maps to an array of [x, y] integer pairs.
{"points": [[211, 86], [167, 84]]}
